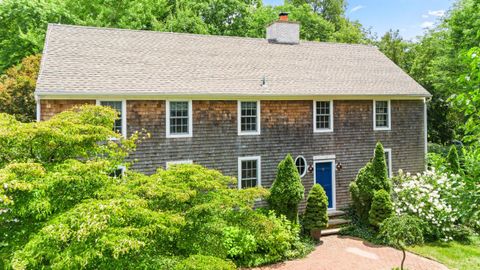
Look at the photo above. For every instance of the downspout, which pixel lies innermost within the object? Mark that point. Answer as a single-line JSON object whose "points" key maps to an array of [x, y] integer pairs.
{"points": [[38, 108]]}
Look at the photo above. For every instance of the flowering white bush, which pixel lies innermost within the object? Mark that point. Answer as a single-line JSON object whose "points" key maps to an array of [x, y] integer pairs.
{"points": [[433, 197]]}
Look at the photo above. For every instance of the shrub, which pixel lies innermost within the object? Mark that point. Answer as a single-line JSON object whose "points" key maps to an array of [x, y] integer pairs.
{"points": [[369, 179], [316, 216], [287, 190], [401, 231], [434, 198], [453, 160], [382, 208], [200, 262]]}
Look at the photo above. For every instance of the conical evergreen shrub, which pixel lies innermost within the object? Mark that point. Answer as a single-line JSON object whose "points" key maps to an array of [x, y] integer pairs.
{"points": [[316, 216], [382, 208], [287, 190], [453, 160]]}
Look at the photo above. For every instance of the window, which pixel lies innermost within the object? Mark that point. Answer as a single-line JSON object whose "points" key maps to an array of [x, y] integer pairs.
{"points": [[249, 117], [323, 116], [179, 119], [119, 172], [120, 124], [388, 161], [176, 162], [301, 164], [249, 172], [381, 114]]}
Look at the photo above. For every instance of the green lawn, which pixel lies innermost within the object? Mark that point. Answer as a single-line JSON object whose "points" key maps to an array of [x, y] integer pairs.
{"points": [[454, 255]]}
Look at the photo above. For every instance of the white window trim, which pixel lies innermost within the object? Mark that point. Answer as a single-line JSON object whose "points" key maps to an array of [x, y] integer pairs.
{"points": [[124, 113], [334, 185], [239, 118], [259, 170], [306, 164], [320, 130], [375, 115], [176, 162], [389, 151], [190, 120]]}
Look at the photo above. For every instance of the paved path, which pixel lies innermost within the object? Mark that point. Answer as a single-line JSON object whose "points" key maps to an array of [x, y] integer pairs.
{"points": [[347, 253]]}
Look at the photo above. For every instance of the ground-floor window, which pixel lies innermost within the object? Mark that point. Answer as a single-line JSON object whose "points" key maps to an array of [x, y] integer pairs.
{"points": [[249, 171], [301, 164]]}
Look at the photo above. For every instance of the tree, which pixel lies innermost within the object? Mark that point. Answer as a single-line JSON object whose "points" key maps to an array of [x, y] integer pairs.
{"points": [[397, 49], [372, 177], [382, 208], [453, 160], [287, 190], [16, 89], [316, 216], [402, 231]]}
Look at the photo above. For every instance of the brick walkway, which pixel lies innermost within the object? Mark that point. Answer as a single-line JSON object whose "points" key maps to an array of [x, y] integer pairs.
{"points": [[347, 253]]}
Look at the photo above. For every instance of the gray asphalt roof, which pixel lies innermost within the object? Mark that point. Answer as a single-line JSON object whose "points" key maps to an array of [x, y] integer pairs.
{"points": [[88, 60]]}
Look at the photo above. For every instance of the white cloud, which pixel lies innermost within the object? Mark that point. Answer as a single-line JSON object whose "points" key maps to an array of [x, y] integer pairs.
{"points": [[356, 8], [427, 25], [436, 13], [425, 16]]}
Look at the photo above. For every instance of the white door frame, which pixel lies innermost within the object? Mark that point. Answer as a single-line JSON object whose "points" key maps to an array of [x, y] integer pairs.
{"points": [[332, 161]]}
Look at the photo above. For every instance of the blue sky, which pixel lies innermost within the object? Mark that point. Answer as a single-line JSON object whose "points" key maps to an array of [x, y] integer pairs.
{"points": [[411, 17]]}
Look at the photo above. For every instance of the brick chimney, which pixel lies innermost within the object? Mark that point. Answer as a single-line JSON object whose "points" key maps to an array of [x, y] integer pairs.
{"points": [[283, 31]]}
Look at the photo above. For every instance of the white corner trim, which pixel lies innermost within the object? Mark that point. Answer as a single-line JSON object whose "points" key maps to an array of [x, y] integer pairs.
{"points": [[38, 108], [389, 151], [306, 164], [124, 112], [190, 120], [389, 115], [259, 170], [324, 157], [334, 188], [239, 118], [176, 162], [425, 124], [320, 130]]}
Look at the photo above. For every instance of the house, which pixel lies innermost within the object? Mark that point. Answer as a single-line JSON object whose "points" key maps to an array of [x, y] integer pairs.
{"points": [[240, 105]]}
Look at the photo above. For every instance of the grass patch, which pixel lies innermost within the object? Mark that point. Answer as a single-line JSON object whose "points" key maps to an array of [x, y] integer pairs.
{"points": [[455, 255]]}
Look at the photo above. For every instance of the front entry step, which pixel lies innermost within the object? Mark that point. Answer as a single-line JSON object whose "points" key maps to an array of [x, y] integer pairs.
{"points": [[330, 231], [335, 213], [336, 219]]}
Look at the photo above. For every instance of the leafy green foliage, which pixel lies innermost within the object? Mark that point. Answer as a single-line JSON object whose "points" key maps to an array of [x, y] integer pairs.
{"points": [[71, 213], [453, 160], [200, 262], [382, 208], [287, 190], [402, 231], [316, 216], [16, 89], [371, 178]]}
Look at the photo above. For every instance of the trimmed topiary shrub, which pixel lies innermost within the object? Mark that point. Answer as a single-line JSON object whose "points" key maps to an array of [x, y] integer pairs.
{"points": [[316, 216], [453, 160], [201, 262], [382, 208], [369, 179], [287, 190]]}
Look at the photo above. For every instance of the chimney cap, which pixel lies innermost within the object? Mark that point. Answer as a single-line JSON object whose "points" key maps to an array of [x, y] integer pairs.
{"points": [[283, 13]]}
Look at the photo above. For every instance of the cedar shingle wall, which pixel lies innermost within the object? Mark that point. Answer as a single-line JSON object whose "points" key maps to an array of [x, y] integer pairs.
{"points": [[51, 107], [286, 127]]}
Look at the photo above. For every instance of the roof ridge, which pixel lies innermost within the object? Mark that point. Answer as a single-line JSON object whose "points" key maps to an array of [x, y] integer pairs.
{"points": [[202, 35]]}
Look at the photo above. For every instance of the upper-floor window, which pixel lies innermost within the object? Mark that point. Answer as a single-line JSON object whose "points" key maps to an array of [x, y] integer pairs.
{"points": [[323, 116], [179, 119], [120, 124], [249, 117], [249, 172], [381, 114]]}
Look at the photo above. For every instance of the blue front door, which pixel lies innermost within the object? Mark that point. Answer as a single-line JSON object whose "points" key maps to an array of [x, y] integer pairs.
{"points": [[324, 177]]}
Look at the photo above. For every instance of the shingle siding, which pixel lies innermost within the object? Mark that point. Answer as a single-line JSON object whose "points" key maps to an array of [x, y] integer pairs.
{"points": [[286, 127]]}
